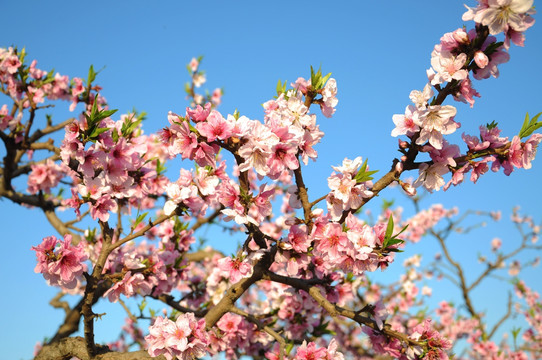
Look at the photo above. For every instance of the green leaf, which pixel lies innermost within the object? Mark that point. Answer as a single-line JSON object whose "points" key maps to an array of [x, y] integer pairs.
{"points": [[129, 125], [491, 48], [515, 333], [140, 218], [492, 125], [313, 76], [106, 113], [325, 79], [402, 231], [386, 204], [91, 76], [389, 228], [390, 239], [364, 175], [142, 305], [96, 132], [160, 168], [529, 126], [289, 348], [394, 241], [193, 129], [281, 88]]}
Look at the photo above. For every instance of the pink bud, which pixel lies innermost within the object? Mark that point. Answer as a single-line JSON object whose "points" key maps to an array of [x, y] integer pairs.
{"points": [[403, 144], [481, 59], [461, 36], [408, 188], [496, 244], [399, 167]]}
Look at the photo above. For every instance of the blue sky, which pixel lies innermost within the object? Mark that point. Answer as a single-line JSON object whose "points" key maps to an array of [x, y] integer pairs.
{"points": [[377, 51]]}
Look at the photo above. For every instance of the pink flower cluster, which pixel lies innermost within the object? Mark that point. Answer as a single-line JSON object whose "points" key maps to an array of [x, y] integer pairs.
{"points": [[145, 269], [270, 149], [346, 192], [235, 269], [424, 332], [60, 262], [426, 219], [533, 315], [41, 85], [354, 248], [512, 17], [45, 176], [311, 351], [183, 339], [427, 122], [117, 165]]}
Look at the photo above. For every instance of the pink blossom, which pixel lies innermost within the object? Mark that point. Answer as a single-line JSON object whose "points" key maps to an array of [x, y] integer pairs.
{"points": [[421, 98], [448, 67], [431, 176], [35, 72], [130, 285], [491, 69], [215, 127], [10, 64], [216, 97], [406, 124], [45, 176], [5, 118], [310, 351], [329, 98], [199, 113], [184, 141], [101, 208], [61, 263], [184, 339], [481, 59], [434, 122], [235, 269], [297, 238], [193, 64], [466, 92], [499, 15]]}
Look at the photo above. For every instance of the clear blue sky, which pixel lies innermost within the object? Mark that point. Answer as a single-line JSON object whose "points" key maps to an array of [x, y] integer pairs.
{"points": [[377, 51]]}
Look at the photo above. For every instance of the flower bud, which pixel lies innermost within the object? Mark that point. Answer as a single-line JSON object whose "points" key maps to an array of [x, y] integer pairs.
{"points": [[481, 59], [408, 188], [461, 36]]}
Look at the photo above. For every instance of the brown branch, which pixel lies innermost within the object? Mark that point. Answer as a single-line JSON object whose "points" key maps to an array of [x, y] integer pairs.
{"points": [[265, 328], [57, 304], [168, 299], [26, 168], [59, 225], [202, 221], [75, 347], [236, 290], [503, 318], [201, 255], [90, 297], [127, 310], [303, 196], [460, 274], [73, 317], [141, 232], [49, 129], [335, 310]]}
